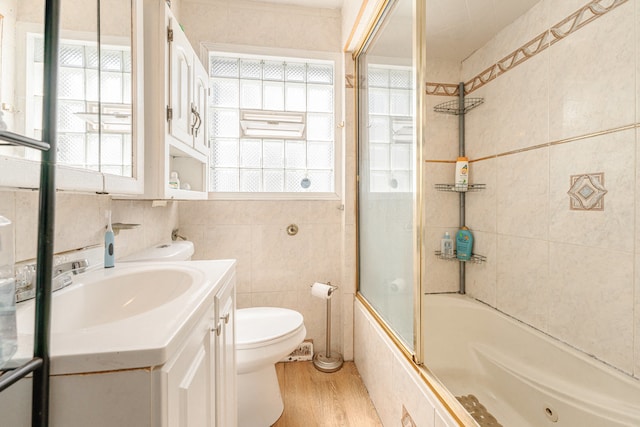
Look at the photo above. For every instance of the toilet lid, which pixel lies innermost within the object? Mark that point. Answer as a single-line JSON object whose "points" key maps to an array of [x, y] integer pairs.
{"points": [[261, 324]]}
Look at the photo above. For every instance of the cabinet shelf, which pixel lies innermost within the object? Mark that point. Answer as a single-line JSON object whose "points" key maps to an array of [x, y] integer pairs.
{"points": [[453, 188], [475, 258]]}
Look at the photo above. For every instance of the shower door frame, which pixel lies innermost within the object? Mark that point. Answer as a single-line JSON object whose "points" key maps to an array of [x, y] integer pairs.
{"points": [[414, 355]]}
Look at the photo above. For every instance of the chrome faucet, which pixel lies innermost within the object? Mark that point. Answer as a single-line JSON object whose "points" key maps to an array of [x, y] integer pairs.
{"points": [[61, 278]]}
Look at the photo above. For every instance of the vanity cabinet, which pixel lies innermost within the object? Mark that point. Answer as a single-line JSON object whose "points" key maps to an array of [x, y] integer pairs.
{"points": [[225, 363], [176, 90], [194, 387], [189, 379], [199, 382]]}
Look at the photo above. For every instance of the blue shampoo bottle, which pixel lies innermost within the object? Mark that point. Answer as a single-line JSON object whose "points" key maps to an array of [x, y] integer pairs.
{"points": [[464, 244], [109, 242]]}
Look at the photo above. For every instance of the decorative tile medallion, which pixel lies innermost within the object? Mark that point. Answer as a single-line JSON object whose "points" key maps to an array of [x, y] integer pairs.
{"points": [[349, 81], [587, 192]]}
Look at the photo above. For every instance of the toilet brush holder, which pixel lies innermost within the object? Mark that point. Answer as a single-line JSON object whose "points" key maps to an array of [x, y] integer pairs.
{"points": [[328, 361]]}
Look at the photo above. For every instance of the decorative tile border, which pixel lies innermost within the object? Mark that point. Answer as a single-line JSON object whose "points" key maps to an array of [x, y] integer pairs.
{"points": [[587, 192], [559, 31]]}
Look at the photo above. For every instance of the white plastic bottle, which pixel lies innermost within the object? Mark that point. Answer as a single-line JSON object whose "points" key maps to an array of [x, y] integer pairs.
{"points": [[174, 181], [8, 330], [446, 246], [462, 174]]}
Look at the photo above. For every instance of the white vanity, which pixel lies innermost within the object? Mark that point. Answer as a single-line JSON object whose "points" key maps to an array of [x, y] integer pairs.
{"points": [[137, 345]]}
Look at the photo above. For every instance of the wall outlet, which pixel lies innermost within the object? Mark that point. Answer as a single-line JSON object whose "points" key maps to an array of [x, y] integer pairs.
{"points": [[303, 352]]}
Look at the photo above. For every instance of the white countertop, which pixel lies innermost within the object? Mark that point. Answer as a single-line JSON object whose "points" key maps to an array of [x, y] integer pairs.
{"points": [[146, 339]]}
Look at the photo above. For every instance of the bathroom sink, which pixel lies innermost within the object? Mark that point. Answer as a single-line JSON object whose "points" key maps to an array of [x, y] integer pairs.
{"points": [[117, 297], [124, 317]]}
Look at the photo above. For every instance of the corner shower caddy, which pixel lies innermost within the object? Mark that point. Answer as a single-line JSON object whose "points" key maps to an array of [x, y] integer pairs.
{"points": [[39, 365], [459, 108]]}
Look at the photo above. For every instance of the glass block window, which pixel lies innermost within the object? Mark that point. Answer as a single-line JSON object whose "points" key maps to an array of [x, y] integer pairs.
{"points": [[86, 77], [391, 136], [271, 124]]}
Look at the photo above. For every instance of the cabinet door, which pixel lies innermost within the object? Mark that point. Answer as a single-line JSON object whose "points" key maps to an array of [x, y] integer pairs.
{"points": [[189, 380], [225, 354], [200, 98], [181, 85]]}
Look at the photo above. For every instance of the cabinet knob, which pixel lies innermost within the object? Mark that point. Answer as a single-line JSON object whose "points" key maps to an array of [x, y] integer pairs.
{"points": [[217, 329], [225, 318]]}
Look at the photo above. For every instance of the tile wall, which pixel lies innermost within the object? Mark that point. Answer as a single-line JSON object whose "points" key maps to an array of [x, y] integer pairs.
{"points": [[570, 108], [383, 368], [81, 220], [275, 269]]}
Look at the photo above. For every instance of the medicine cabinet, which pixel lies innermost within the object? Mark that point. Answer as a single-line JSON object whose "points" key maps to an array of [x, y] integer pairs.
{"points": [[176, 91], [99, 125]]}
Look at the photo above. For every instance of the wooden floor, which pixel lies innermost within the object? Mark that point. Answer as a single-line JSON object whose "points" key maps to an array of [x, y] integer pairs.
{"points": [[313, 398]]}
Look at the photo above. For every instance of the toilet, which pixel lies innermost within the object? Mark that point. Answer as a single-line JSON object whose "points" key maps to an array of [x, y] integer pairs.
{"points": [[264, 336]]}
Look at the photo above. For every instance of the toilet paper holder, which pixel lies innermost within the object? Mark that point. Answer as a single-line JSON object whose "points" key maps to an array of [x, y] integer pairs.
{"points": [[331, 291], [328, 361]]}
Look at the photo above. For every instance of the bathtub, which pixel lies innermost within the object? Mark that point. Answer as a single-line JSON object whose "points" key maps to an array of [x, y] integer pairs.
{"points": [[521, 376]]}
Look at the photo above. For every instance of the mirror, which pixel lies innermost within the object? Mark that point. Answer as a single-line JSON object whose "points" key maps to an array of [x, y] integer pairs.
{"points": [[95, 82]]}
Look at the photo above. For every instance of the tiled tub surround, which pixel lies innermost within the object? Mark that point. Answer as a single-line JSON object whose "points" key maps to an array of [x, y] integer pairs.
{"points": [[570, 109]]}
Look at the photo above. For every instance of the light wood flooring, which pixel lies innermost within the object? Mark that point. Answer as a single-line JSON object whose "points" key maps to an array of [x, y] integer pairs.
{"points": [[313, 398]]}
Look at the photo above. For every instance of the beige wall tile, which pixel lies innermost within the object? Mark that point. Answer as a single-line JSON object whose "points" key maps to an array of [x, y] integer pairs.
{"points": [[260, 24], [522, 279], [481, 205], [591, 295], [481, 278], [522, 199], [590, 80]]}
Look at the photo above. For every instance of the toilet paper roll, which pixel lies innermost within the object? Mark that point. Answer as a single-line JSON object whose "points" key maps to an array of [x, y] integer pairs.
{"points": [[321, 290], [397, 285]]}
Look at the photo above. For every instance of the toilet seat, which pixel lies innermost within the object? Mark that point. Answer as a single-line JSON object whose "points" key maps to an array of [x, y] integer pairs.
{"points": [[260, 326]]}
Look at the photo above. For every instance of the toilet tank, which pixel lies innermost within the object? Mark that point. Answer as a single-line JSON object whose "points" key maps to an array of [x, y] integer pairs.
{"points": [[173, 251]]}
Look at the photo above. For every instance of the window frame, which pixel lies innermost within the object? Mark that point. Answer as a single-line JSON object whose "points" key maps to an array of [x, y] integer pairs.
{"points": [[280, 53]]}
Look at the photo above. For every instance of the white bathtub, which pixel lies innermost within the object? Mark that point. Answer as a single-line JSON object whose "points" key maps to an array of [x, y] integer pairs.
{"points": [[523, 377]]}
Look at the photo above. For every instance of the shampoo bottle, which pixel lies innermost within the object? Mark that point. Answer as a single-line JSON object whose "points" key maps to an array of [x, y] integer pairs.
{"points": [[109, 240], [464, 244], [446, 246], [462, 174]]}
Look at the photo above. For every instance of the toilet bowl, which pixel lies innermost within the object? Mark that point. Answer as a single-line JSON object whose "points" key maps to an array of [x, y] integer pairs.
{"points": [[264, 335]]}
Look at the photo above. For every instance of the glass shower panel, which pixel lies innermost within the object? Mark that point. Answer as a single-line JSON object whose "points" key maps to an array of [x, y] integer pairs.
{"points": [[387, 172]]}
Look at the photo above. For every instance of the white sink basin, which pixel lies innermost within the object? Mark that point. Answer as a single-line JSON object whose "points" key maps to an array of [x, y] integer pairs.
{"points": [[118, 297], [123, 317]]}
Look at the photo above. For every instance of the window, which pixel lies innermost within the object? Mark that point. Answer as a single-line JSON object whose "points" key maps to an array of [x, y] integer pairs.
{"points": [[271, 124], [391, 136], [87, 96]]}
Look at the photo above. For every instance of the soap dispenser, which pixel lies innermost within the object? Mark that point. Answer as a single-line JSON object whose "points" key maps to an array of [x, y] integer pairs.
{"points": [[109, 241]]}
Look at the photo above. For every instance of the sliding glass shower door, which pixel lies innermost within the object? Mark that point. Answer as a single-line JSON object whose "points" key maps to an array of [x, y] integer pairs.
{"points": [[387, 186]]}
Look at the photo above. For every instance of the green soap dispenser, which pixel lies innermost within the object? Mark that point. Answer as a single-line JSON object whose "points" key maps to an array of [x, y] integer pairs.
{"points": [[464, 244]]}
